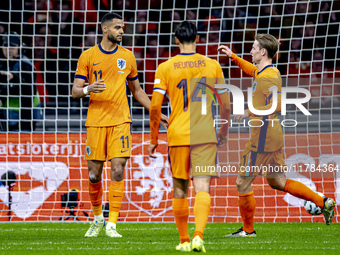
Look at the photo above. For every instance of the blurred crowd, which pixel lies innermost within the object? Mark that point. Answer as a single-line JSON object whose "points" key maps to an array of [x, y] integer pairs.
{"points": [[55, 32]]}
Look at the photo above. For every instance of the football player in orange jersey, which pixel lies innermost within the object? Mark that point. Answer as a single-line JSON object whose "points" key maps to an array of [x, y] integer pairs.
{"points": [[264, 149], [188, 78], [107, 66]]}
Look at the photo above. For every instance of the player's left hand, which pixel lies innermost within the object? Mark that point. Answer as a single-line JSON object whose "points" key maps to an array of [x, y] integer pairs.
{"points": [[222, 140], [164, 121], [239, 118], [152, 148]]}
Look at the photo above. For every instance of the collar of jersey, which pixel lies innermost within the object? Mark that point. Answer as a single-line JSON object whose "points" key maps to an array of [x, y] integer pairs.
{"points": [[265, 68], [107, 52], [186, 54]]}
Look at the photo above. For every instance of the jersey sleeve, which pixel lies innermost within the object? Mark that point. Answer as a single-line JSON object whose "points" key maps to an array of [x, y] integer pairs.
{"points": [[134, 72], [82, 66], [160, 83], [246, 66], [155, 116]]}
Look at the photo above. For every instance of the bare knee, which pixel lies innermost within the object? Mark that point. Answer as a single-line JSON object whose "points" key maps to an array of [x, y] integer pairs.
{"points": [[179, 193], [239, 183], [117, 169], [93, 177], [277, 183], [243, 184], [117, 172], [201, 184], [95, 171], [180, 188]]}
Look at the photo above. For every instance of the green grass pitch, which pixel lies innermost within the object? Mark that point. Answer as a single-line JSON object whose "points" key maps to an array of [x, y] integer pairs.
{"points": [[161, 238]]}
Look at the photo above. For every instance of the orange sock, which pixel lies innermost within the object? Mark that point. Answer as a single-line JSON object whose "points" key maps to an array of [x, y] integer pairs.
{"points": [[96, 193], [115, 199], [247, 208], [300, 190], [180, 207], [201, 212]]}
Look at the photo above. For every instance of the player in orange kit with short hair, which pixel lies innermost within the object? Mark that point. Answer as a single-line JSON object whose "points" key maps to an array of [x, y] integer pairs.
{"points": [[264, 149], [192, 139], [108, 66]]}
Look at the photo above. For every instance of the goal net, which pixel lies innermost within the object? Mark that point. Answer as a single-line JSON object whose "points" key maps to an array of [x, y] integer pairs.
{"points": [[44, 176]]}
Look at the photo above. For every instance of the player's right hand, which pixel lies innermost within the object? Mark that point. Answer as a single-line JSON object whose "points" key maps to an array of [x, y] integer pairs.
{"points": [[222, 140], [239, 118], [97, 87], [226, 50]]}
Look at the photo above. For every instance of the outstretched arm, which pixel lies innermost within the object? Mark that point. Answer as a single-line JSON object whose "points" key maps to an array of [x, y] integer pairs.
{"points": [[144, 100], [139, 93], [225, 113], [155, 117]]}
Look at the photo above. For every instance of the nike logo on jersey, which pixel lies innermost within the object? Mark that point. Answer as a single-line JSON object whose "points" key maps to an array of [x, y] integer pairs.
{"points": [[96, 64], [123, 151]]}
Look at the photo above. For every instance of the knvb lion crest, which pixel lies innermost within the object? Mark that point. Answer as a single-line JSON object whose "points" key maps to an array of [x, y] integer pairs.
{"points": [[121, 63], [254, 86], [151, 182]]}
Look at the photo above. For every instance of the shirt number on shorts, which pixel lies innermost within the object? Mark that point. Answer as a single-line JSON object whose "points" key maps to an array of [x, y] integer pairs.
{"points": [[244, 160], [123, 141]]}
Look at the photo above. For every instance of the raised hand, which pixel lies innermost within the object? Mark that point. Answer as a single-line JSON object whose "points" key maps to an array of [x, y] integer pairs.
{"points": [[239, 118], [226, 50]]}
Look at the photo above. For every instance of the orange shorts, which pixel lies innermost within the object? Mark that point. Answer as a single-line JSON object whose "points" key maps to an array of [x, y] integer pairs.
{"points": [[113, 142], [195, 160], [263, 163]]}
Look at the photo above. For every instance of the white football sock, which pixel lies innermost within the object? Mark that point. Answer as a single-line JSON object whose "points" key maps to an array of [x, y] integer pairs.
{"points": [[99, 218], [110, 224]]}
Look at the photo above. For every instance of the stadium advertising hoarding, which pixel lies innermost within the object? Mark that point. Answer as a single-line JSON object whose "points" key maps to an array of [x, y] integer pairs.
{"points": [[44, 177]]}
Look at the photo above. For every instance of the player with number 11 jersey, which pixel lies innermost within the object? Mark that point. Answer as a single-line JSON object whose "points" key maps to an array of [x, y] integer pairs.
{"points": [[114, 67], [108, 68]]}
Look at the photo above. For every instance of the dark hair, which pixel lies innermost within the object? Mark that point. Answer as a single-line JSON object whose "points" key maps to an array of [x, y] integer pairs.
{"points": [[110, 16], [268, 42], [186, 32]]}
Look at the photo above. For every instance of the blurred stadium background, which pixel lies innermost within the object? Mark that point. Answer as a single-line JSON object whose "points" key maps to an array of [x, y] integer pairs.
{"points": [[43, 173]]}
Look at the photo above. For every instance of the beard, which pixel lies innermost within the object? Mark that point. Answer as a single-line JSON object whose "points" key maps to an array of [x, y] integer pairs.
{"points": [[113, 39]]}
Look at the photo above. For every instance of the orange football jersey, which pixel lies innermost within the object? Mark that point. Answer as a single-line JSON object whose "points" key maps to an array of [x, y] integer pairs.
{"points": [[269, 136], [184, 78], [108, 108]]}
